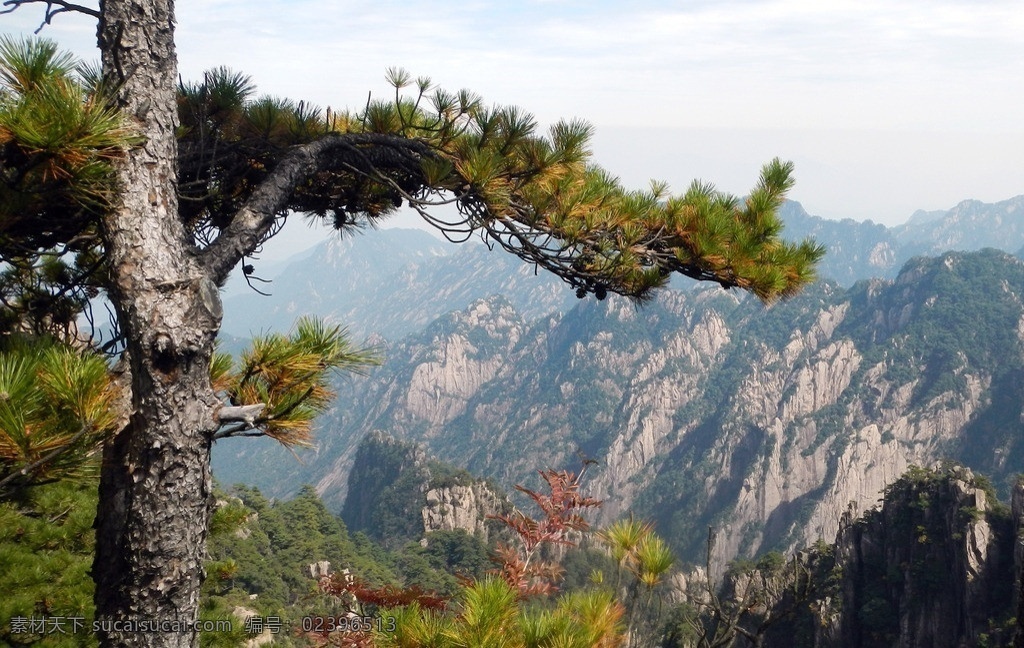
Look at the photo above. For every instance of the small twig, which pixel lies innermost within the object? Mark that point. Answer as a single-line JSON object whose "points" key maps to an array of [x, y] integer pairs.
{"points": [[249, 278], [238, 429], [53, 8]]}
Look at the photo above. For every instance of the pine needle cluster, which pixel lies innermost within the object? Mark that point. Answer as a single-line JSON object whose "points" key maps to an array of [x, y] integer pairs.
{"points": [[55, 411], [537, 195], [635, 547], [59, 134], [491, 616], [290, 376]]}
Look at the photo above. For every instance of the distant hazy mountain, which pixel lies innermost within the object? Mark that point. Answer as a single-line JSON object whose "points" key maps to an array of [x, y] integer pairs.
{"points": [[392, 282], [971, 225], [855, 249], [861, 250]]}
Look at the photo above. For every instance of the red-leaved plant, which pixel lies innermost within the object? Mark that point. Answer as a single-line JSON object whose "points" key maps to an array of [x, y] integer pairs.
{"points": [[354, 628], [560, 523], [387, 596]]}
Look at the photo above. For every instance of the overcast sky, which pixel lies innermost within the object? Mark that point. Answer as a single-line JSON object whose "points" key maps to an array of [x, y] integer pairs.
{"points": [[885, 106]]}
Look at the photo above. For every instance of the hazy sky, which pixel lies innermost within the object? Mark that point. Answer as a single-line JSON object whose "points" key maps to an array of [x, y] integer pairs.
{"points": [[885, 106]]}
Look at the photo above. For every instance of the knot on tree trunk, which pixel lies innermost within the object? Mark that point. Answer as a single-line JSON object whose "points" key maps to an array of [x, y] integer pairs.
{"points": [[164, 356]]}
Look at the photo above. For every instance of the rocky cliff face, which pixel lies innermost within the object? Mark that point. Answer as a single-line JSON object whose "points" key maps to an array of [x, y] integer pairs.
{"points": [[704, 408], [892, 375], [397, 494], [933, 567], [461, 507]]}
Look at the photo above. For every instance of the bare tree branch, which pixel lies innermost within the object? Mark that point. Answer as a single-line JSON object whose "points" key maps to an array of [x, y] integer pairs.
{"points": [[370, 153], [53, 8], [241, 413]]}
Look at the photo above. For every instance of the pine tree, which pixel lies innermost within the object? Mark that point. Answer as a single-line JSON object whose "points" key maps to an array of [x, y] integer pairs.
{"points": [[177, 186], [46, 546]]}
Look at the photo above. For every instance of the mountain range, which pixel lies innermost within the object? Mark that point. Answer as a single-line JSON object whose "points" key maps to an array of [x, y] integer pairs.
{"points": [[702, 407], [863, 250], [393, 282]]}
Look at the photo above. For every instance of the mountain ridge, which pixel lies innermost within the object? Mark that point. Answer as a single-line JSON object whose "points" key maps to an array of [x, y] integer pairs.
{"points": [[765, 422], [393, 282], [705, 408]]}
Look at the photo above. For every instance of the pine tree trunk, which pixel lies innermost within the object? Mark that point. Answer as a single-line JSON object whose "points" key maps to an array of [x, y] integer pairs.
{"points": [[155, 488]]}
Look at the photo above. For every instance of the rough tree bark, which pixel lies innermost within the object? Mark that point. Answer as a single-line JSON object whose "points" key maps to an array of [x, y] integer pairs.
{"points": [[156, 483], [155, 487]]}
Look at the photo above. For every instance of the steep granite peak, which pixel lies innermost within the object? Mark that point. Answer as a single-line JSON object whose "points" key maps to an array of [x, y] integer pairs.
{"points": [[931, 568], [709, 334], [495, 315], [396, 494], [386, 472], [466, 351]]}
